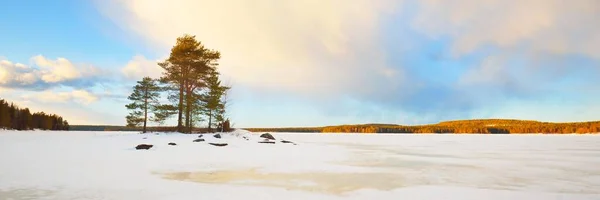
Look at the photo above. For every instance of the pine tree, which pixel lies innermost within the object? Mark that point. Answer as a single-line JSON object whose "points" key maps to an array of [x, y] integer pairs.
{"points": [[25, 120], [187, 65], [222, 110], [65, 125], [4, 115], [212, 98], [144, 98], [14, 116]]}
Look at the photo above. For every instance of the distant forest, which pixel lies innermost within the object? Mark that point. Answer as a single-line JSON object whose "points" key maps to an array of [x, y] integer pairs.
{"points": [[485, 126], [137, 128], [13, 117]]}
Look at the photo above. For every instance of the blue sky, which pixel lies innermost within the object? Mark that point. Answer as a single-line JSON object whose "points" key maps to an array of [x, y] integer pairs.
{"points": [[314, 62]]}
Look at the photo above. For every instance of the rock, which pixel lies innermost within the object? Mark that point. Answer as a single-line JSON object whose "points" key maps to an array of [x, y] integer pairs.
{"points": [[145, 138], [217, 136], [143, 146], [267, 135], [172, 143], [218, 144], [245, 138], [285, 141], [200, 136], [199, 140], [267, 142]]}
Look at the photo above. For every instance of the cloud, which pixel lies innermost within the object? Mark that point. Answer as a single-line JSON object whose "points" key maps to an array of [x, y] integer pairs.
{"points": [[329, 53], [311, 47], [53, 71], [79, 96], [45, 73], [523, 50], [554, 26], [15, 73], [140, 67]]}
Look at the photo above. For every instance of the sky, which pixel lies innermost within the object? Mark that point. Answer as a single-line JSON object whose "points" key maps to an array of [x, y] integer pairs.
{"points": [[313, 62]]}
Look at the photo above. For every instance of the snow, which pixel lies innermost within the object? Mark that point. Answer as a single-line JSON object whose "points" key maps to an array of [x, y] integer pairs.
{"points": [[105, 165]]}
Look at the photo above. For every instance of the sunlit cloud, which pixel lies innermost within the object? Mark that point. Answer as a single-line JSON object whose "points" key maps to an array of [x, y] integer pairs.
{"points": [[44, 73]]}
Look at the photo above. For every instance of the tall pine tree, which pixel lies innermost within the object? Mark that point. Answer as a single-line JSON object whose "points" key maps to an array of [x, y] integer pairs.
{"points": [[144, 98], [185, 69]]}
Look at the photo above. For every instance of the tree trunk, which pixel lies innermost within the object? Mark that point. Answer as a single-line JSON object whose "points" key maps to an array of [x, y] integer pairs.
{"points": [[145, 109], [209, 120], [191, 122], [179, 116], [188, 109]]}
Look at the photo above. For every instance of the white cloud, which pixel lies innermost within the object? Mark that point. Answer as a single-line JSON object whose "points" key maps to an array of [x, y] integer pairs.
{"points": [[15, 73], [140, 67], [58, 70], [44, 71], [5, 74], [552, 26], [310, 46], [79, 96]]}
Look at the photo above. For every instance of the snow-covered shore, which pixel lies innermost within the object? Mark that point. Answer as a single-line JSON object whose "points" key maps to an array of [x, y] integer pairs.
{"points": [[105, 165]]}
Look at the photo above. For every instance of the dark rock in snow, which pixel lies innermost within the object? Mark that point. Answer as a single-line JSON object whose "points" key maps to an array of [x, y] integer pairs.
{"points": [[217, 135], [199, 140], [285, 141], [267, 142], [200, 136], [267, 135], [246, 138], [172, 143], [145, 138], [218, 144], [144, 146]]}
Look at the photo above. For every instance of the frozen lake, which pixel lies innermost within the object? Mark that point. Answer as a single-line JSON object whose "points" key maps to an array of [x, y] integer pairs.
{"points": [[104, 165]]}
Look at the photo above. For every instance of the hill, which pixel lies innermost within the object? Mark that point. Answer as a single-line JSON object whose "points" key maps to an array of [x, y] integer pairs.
{"points": [[494, 126]]}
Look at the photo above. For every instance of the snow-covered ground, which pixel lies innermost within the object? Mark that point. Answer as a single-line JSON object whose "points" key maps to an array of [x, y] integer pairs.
{"points": [[105, 165]]}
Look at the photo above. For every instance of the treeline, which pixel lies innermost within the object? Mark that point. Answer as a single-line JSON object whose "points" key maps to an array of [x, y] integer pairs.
{"points": [[128, 128], [484, 126], [293, 130], [191, 82], [13, 117]]}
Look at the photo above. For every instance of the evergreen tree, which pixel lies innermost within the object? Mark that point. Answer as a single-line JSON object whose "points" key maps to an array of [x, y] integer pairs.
{"points": [[144, 98], [14, 115], [185, 69], [25, 121], [213, 99], [222, 110], [65, 125], [5, 120]]}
